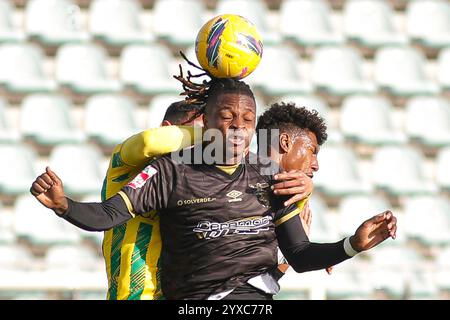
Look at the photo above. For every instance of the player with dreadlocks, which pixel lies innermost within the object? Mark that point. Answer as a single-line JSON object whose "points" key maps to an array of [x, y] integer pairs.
{"points": [[218, 230]]}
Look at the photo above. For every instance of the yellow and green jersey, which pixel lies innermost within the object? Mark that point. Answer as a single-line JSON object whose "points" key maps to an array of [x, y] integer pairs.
{"points": [[132, 250]]}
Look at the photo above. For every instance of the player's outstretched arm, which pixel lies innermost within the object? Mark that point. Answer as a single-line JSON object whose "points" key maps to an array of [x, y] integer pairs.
{"points": [[304, 256], [48, 190]]}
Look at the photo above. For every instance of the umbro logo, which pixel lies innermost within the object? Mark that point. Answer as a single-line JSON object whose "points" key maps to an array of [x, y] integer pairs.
{"points": [[234, 195]]}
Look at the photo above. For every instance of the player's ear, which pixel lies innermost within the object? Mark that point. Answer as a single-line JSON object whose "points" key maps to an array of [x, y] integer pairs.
{"points": [[165, 123], [285, 142]]}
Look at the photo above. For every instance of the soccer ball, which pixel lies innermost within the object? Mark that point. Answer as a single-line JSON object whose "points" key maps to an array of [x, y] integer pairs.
{"points": [[229, 46]]}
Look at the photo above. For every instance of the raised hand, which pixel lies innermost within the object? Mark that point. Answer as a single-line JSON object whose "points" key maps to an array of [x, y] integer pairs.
{"points": [[48, 189], [294, 183], [374, 231]]}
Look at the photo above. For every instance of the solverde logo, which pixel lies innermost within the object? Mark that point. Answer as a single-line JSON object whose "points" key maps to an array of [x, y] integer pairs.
{"points": [[194, 201]]}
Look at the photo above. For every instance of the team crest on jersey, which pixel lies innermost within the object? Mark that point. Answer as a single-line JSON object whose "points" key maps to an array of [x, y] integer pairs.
{"points": [[261, 191], [142, 178]]}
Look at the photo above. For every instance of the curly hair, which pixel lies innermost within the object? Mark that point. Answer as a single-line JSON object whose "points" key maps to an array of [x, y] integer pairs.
{"points": [[287, 116]]}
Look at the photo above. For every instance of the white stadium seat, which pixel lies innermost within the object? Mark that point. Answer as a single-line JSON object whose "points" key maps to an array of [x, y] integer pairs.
{"points": [[442, 176], [158, 107], [117, 22], [15, 257], [339, 173], [278, 74], [39, 225], [428, 120], [69, 257], [47, 120], [8, 31], [432, 229], [354, 210], [370, 23], [22, 69], [7, 133], [400, 71], [428, 22], [117, 118], [17, 170], [442, 263], [321, 229], [178, 21], [443, 69], [368, 119], [7, 235], [145, 68], [308, 22], [54, 22], [338, 71], [399, 170], [82, 68], [254, 10], [78, 166]]}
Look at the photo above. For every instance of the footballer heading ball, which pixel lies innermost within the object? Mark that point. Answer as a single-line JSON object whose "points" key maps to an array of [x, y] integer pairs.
{"points": [[229, 46]]}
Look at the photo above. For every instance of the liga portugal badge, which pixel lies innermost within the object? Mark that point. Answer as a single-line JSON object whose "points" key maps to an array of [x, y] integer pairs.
{"points": [[142, 178]]}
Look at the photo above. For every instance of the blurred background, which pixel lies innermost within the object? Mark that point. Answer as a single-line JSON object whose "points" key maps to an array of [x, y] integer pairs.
{"points": [[79, 76]]}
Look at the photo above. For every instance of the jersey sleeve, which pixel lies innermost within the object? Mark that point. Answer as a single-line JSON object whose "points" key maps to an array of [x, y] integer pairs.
{"points": [[138, 149], [283, 214], [151, 188]]}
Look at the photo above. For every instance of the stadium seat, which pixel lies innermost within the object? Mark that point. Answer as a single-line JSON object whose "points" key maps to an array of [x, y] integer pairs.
{"points": [[69, 257], [54, 22], [177, 21], [338, 71], [15, 257], [346, 285], [321, 226], [443, 69], [368, 119], [255, 11], [138, 62], [442, 176], [422, 286], [443, 269], [46, 119], [7, 134], [354, 210], [40, 226], [22, 69], [400, 71], [399, 171], [7, 235], [82, 68], [157, 109], [8, 31], [117, 22], [278, 73], [427, 219], [78, 166], [17, 170], [338, 174], [117, 118], [428, 120], [428, 23], [308, 22], [370, 23]]}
